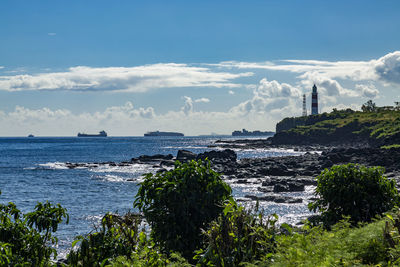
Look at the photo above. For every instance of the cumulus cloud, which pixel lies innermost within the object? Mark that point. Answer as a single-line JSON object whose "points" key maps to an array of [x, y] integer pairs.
{"points": [[231, 92], [270, 99], [133, 79], [202, 100], [188, 107], [367, 90], [388, 68], [273, 89], [328, 86]]}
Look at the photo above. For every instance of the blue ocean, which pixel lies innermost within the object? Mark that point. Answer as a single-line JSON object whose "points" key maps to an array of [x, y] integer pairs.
{"points": [[34, 169]]}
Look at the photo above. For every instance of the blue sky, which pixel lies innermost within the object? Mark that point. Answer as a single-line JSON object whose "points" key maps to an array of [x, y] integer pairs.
{"points": [[192, 66]]}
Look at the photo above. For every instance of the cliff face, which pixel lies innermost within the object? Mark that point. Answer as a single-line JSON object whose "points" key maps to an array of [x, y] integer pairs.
{"points": [[341, 127]]}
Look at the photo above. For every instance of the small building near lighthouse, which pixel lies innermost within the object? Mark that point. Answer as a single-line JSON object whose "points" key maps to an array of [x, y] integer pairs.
{"points": [[314, 101]]}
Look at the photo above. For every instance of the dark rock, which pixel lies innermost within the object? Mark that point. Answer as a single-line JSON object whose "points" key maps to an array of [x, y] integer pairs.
{"points": [[281, 188], [157, 157], [296, 187], [168, 163], [185, 155], [226, 155], [275, 198], [266, 189]]}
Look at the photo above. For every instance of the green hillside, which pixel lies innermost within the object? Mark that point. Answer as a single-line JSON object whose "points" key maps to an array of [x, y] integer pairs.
{"points": [[377, 126]]}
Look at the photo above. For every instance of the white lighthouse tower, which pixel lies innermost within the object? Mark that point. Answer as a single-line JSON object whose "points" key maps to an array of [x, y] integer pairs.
{"points": [[314, 101]]}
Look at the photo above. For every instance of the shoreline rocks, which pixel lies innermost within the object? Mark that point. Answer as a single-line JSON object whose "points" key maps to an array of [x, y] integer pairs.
{"points": [[272, 176]]}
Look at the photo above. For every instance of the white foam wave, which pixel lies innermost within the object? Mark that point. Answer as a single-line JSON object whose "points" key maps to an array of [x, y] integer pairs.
{"points": [[54, 165]]}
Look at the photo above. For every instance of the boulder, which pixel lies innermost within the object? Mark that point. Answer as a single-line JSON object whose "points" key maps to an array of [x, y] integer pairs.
{"points": [[185, 155], [227, 155]]}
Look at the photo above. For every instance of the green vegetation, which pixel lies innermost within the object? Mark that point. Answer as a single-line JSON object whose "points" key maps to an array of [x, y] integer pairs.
{"points": [[234, 236], [343, 245], [179, 203], [119, 241], [391, 146], [238, 235], [26, 239], [376, 125], [347, 190]]}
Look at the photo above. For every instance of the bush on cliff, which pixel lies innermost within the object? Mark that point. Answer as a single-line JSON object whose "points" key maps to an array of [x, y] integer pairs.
{"points": [[26, 239], [353, 190], [179, 203]]}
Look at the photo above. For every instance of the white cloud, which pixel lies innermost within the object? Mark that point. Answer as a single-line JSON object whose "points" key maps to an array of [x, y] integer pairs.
{"points": [[231, 92], [133, 79], [327, 86], [388, 68], [272, 89], [367, 90], [188, 107], [202, 100], [270, 99]]}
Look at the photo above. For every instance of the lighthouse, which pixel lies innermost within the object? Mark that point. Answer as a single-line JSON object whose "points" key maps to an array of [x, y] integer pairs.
{"points": [[314, 101]]}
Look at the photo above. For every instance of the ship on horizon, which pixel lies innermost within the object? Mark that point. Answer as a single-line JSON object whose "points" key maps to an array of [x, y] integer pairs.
{"points": [[158, 133], [100, 134]]}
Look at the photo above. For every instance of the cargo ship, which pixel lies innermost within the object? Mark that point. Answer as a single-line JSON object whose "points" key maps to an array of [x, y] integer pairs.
{"points": [[100, 134], [158, 133]]}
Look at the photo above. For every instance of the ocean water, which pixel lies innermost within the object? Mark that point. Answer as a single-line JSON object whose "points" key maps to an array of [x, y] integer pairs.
{"points": [[34, 169]]}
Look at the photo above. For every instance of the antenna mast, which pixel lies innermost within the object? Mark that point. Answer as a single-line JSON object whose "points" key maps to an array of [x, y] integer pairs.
{"points": [[304, 106]]}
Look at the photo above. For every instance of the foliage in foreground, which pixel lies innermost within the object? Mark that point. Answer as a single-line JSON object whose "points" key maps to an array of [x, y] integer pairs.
{"points": [[119, 242], [237, 236], [342, 246], [355, 191], [179, 203], [26, 239]]}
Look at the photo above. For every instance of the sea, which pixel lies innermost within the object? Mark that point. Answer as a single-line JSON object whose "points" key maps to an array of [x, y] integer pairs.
{"points": [[34, 169]]}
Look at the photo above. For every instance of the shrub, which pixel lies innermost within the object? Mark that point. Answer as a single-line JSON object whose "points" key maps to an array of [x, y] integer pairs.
{"points": [[237, 236], [120, 242], [26, 239], [117, 236], [179, 203], [353, 190], [343, 245]]}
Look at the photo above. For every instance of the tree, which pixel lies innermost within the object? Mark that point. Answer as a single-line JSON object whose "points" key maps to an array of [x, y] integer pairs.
{"points": [[179, 203], [26, 239], [369, 106]]}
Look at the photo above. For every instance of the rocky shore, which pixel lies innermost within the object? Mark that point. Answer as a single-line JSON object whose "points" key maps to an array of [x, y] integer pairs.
{"points": [[273, 177]]}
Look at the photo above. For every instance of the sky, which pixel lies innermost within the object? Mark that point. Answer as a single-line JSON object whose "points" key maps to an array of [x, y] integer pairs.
{"points": [[197, 67]]}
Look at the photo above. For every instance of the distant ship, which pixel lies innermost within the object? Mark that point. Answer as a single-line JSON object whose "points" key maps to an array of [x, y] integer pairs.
{"points": [[101, 134], [31, 135], [244, 132], [158, 133]]}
